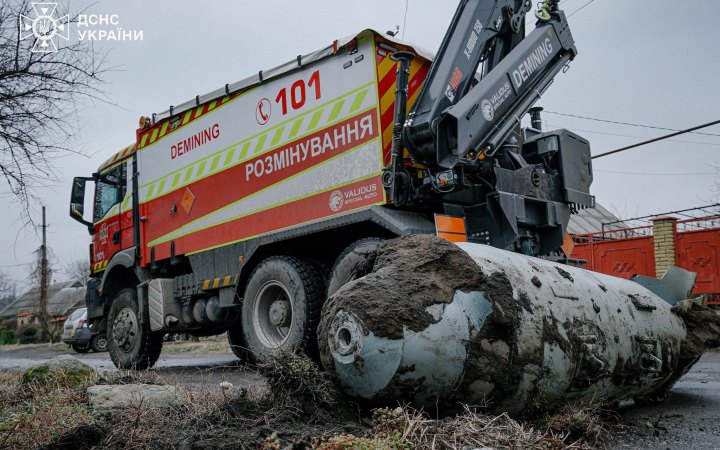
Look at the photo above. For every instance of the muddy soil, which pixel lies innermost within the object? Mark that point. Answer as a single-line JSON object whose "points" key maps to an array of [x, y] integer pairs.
{"points": [[395, 295]]}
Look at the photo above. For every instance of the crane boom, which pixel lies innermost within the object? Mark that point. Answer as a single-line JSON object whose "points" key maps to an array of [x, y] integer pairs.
{"points": [[443, 127], [514, 188]]}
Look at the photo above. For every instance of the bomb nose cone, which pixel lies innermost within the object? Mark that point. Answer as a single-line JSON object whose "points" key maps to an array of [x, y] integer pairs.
{"points": [[345, 337], [364, 362]]}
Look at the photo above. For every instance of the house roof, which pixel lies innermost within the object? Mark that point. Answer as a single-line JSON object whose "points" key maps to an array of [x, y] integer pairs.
{"points": [[591, 220], [65, 300], [62, 297]]}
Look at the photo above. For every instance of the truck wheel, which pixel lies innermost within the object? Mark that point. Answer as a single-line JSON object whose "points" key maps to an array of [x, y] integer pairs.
{"points": [[99, 343], [281, 307], [131, 344], [237, 343], [352, 262], [80, 348]]}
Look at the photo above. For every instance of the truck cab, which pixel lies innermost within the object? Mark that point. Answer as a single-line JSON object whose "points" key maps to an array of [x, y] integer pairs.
{"points": [[110, 222]]}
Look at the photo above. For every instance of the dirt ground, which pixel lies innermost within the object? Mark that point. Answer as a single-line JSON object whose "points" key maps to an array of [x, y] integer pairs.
{"points": [[688, 419]]}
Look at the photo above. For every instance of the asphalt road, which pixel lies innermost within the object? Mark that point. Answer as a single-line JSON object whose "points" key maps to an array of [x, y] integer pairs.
{"points": [[184, 368], [688, 419]]}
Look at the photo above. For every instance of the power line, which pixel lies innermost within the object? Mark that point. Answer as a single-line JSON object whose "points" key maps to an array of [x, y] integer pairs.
{"points": [[621, 123], [14, 265], [663, 214], [677, 133], [634, 136], [579, 9], [656, 174]]}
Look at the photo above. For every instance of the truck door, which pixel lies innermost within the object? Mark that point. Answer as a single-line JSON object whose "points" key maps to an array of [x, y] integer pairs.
{"points": [[126, 207], [109, 193]]}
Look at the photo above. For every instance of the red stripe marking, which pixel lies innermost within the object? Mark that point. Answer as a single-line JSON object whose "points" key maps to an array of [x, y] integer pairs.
{"points": [[387, 82], [298, 212]]}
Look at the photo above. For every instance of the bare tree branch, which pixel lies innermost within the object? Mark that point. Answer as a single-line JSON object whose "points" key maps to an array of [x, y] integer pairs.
{"points": [[40, 96], [78, 270]]}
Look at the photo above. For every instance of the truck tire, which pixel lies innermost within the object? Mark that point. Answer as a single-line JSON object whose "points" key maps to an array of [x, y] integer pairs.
{"points": [[99, 343], [131, 344], [352, 263], [281, 307], [237, 343], [80, 348]]}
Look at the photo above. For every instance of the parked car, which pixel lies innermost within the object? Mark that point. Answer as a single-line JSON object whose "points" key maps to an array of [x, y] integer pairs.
{"points": [[76, 333]]}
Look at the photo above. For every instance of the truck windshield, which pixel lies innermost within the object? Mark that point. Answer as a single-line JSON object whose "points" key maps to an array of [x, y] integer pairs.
{"points": [[108, 192]]}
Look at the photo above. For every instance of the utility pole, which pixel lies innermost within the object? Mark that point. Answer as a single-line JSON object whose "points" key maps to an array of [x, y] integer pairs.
{"points": [[44, 280]]}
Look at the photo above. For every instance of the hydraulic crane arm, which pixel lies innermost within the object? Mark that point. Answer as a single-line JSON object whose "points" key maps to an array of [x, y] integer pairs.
{"points": [[451, 118]]}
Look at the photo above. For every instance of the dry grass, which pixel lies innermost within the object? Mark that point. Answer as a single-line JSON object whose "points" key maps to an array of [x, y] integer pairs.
{"points": [[582, 423], [300, 400], [131, 377], [213, 344], [35, 415], [295, 381], [406, 428], [56, 347], [301, 409]]}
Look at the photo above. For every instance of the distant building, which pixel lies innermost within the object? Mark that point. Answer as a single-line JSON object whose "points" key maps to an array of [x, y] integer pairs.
{"points": [[591, 220], [63, 298]]}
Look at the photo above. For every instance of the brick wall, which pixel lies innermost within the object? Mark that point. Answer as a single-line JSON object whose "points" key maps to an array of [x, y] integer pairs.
{"points": [[664, 231]]}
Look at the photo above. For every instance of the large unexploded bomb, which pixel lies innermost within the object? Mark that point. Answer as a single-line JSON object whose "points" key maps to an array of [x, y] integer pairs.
{"points": [[436, 323]]}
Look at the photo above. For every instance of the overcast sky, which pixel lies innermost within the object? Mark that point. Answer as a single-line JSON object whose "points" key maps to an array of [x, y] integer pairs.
{"points": [[646, 62]]}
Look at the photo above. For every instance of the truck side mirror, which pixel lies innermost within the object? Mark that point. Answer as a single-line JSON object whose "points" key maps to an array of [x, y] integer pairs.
{"points": [[77, 202]]}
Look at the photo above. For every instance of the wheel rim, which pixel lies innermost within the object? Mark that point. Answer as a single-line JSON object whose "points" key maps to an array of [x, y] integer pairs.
{"points": [[101, 343], [273, 314], [125, 329]]}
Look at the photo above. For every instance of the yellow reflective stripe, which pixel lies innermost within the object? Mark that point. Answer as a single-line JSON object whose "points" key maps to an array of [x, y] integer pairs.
{"points": [[228, 158], [315, 119], [278, 136], [296, 128], [201, 168], [359, 99], [188, 175], [336, 110], [244, 151], [215, 162], [260, 140], [260, 143]]}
